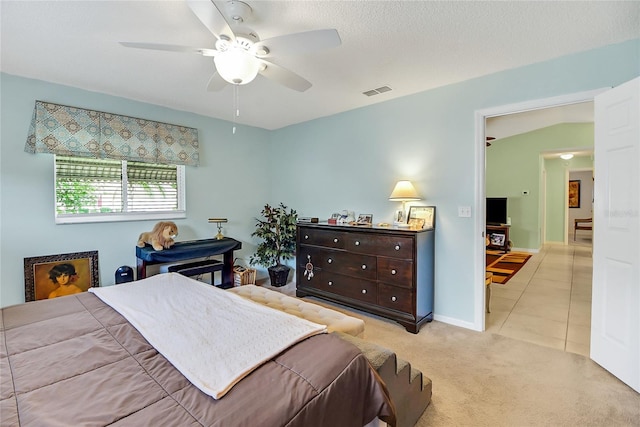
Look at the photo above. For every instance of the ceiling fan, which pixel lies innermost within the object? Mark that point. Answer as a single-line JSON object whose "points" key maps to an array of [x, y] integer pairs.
{"points": [[240, 55], [489, 138]]}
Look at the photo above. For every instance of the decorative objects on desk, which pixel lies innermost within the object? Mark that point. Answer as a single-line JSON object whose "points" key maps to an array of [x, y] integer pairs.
{"points": [[57, 275], [161, 237], [422, 217], [277, 229], [219, 221], [403, 192]]}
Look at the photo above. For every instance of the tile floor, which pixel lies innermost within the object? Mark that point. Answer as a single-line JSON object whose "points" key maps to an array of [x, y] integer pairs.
{"points": [[548, 302]]}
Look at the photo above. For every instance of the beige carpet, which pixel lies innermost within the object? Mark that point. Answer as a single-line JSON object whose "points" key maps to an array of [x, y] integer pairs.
{"points": [[483, 379]]}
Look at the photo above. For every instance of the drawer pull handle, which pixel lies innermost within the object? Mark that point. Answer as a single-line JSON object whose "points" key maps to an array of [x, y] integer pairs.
{"points": [[357, 243], [335, 240], [330, 283], [393, 272], [393, 299], [364, 291], [306, 237], [329, 261], [397, 248], [364, 266]]}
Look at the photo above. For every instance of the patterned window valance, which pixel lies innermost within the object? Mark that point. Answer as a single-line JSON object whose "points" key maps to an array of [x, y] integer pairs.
{"points": [[69, 131]]}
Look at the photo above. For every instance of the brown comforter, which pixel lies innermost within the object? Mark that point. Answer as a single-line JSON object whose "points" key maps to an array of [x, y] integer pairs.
{"points": [[74, 361]]}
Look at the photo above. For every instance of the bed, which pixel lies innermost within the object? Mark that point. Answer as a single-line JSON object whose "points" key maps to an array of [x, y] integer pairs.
{"points": [[74, 360]]}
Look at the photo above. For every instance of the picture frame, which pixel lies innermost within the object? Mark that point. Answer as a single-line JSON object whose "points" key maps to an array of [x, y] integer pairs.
{"points": [[365, 219], [497, 239], [51, 276], [574, 193], [416, 223], [425, 213]]}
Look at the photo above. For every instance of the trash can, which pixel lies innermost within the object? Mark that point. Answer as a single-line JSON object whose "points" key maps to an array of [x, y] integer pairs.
{"points": [[124, 274]]}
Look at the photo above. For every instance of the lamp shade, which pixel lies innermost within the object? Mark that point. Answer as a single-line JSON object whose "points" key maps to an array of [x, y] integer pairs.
{"points": [[404, 192], [236, 66]]}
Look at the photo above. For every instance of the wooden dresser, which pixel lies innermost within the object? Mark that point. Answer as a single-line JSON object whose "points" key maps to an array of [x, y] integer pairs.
{"points": [[384, 271]]}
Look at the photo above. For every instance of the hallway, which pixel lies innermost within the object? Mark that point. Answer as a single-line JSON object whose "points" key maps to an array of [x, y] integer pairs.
{"points": [[548, 302]]}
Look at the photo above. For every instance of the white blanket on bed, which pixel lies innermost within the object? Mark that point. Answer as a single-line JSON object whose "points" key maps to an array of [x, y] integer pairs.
{"points": [[215, 338]]}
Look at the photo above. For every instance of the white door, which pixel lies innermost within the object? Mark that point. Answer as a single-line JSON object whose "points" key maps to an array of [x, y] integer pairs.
{"points": [[615, 324]]}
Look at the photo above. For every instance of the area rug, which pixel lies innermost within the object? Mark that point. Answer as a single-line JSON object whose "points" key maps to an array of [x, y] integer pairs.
{"points": [[505, 266]]}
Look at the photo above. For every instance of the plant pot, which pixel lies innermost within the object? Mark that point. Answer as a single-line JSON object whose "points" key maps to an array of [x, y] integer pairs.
{"points": [[278, 275]]}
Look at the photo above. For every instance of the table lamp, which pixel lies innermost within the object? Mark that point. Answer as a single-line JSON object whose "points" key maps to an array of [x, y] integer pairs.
{"points": [[403, 192], [219, 221]]}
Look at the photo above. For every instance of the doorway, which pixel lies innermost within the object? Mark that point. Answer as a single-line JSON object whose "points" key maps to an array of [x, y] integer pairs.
{"points": [[481, 134]]}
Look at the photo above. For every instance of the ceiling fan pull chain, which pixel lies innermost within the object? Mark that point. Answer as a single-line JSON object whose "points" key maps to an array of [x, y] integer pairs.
{"points": [[236, 107]]}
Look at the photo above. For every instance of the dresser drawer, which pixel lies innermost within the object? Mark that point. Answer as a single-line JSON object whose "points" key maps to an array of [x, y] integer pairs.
{"points": [[350, 264], [327, 238], [356, 265], [391, 246], [396, 272], [395, 298], [361, 290]]}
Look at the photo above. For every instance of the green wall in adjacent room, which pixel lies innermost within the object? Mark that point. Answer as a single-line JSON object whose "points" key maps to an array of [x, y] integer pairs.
{"points": [[557, 199], [514, 166]]}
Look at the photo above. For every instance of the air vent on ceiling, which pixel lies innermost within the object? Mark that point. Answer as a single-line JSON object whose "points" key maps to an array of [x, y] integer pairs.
{"points": [[377, 91]]}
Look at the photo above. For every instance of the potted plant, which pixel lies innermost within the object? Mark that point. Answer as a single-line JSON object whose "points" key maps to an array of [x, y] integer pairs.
{"points": [[277, 229]]}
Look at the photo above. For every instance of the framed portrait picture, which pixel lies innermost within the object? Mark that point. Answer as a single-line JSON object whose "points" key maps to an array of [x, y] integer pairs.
{"points": [[422, 217], [365, 219], [574, 193], [52, 276]]}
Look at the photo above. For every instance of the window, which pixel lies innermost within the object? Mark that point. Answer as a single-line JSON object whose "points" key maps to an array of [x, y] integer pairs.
{"points": [[100, 190]]}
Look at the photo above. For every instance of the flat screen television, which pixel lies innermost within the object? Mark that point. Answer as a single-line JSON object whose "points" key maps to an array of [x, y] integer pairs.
{"points": [[496, 210]]}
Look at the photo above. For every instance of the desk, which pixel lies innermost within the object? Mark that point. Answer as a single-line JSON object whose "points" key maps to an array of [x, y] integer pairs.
{"points": [[181, 251]]}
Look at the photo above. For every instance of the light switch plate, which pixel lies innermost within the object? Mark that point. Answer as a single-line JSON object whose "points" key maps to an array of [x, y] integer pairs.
{"points": [[464, 211]]}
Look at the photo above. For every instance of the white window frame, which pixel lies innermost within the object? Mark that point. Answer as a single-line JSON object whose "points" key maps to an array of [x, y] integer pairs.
{"points": [[180, 213]]}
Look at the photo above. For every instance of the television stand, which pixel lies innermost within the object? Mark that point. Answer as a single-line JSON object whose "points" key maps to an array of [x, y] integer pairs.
{"points": [[498, 237]]}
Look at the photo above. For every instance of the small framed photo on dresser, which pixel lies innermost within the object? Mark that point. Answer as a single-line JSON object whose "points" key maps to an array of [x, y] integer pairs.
{"points": [[422, 217]]}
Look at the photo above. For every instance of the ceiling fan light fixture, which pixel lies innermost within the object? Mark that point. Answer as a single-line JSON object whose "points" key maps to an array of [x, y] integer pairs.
{"points": [[566, 156], [236, 66]]}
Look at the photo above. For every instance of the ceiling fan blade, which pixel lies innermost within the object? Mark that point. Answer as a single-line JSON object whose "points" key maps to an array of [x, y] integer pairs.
{"points": [[209, 14], [304, 42], [284, 77], [216, 83], [170, 48]]}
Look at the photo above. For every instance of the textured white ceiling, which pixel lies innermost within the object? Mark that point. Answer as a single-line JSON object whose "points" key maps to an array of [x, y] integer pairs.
{"points": [[411, 46]]}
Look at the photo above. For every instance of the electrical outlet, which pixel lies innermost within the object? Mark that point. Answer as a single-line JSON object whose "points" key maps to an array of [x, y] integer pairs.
{"points": [[464, 211]]}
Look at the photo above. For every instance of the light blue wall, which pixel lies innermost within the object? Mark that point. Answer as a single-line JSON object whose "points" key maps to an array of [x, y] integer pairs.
{"points": [[232, 181], [347, 161], [352, 160]]}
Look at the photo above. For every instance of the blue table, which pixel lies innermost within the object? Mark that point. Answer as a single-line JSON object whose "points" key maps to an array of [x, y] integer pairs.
{"points": [[193, 249]]}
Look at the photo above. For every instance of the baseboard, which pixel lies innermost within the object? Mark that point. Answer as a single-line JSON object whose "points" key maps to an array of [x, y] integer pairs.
{"points": [[456, 322], [531, 251]]}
